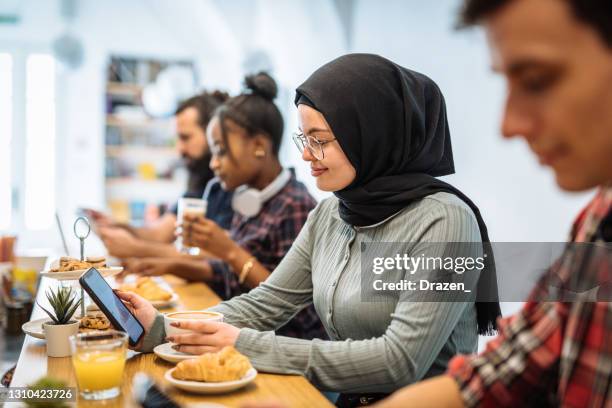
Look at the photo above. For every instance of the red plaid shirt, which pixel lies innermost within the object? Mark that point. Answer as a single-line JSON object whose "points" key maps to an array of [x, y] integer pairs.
{"points": [[550, 353], [268, 236]]}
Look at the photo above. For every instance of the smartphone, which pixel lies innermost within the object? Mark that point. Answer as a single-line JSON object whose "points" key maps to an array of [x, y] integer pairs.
{"points": [[109, 303]]}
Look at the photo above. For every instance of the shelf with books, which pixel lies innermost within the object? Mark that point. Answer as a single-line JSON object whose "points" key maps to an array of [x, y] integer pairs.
{"points": [[119, 150], [143, 169], [130, 199], [118, 121], [124, 89]]}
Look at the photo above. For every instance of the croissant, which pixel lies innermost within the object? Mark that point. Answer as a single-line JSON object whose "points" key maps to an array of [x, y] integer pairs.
{"points": [[152, 291], [225, 365], [148, 289]]}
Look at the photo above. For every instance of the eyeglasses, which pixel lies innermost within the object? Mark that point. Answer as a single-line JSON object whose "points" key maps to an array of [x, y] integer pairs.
{"points": [[314, 146]]}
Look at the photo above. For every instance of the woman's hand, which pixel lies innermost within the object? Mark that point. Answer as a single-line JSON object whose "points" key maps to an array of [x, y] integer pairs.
{"points": [[149, 266], [100, 219], [141, 308], [203, 233], [208, 337], [119, 242]]}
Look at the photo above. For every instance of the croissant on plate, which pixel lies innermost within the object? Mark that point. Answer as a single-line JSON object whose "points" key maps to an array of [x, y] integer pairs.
{"points": [[225, 365], [148, 289]]}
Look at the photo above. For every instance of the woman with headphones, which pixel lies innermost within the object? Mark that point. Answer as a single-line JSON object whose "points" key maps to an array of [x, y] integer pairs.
{"points": [[270, 205]]}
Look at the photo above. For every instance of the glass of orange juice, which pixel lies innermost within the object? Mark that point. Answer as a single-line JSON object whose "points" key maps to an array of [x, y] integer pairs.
{"points": [[99, 360]]}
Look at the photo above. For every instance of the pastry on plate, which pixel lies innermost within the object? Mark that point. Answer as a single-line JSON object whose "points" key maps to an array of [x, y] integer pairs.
{"points": [[96, 261], [94, 321], [67, 264], [225, 365], [148, 289]]}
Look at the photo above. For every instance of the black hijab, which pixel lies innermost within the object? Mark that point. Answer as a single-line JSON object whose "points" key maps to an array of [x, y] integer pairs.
{"points": [[391, 124]]}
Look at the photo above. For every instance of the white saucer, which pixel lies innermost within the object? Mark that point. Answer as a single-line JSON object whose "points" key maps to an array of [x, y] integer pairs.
{"points": [[163, 304], [211, 387], [34, 328], [75, 275], [166, 352]]}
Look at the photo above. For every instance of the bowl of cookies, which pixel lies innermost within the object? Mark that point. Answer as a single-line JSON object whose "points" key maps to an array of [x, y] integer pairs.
{"points": [[67, 268]]}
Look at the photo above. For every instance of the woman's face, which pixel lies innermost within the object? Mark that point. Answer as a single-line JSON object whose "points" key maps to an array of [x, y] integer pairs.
{"points": [[334, 171], [234, 161]]}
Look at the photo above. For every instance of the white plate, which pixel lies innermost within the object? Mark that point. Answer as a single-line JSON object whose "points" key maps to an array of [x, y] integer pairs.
{"points": [[163, 304], [34, 328], [75, 275], [166, 352], [211, 387]]}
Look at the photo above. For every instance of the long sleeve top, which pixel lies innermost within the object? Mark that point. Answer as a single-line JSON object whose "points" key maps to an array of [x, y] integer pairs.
{"points": [[378, 342]]}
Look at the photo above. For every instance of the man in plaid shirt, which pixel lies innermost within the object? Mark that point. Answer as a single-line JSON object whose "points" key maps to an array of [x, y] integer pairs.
{"points": [[557, 57]]}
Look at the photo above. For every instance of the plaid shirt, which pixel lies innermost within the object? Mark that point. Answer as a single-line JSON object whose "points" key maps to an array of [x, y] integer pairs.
{"points": [[268, 236], [551, 353]]}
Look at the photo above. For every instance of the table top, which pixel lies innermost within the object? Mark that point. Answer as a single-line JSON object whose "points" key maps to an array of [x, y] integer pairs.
{"points": [[294, 391]]}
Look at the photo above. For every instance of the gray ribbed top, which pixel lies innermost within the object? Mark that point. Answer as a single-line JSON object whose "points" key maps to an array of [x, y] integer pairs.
{"points": [[376, 346]]}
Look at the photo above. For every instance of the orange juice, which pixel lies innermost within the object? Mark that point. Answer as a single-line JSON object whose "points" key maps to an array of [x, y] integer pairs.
{"points": [[98, 369]]}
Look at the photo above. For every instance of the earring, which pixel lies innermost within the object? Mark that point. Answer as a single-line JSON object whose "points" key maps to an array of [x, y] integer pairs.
{"points": [[260, 153]]}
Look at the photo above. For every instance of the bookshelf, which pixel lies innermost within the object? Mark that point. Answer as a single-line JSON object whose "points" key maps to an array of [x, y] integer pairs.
{"points": [[143, 174]]}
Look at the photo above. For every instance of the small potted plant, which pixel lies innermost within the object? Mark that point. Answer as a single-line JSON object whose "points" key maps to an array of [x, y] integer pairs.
{"points": [[64, 303]]}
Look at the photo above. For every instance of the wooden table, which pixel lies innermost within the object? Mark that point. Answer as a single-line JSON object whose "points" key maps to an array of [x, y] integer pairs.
{"points": [[294, 391]]}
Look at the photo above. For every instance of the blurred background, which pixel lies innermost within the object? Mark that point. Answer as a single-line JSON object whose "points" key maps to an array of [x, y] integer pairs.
{"points": [[88, 89]]}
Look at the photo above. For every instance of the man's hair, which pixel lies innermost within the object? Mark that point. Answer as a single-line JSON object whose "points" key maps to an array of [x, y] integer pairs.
{"points": [[205, 103], [595, 13]]}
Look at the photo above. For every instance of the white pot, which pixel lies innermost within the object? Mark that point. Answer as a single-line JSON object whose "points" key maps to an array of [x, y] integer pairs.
{"points": [[57, 336]]}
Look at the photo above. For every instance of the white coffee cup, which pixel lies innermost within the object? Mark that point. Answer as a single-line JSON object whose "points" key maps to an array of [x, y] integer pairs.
{"points": [[188, 316], [191, 206]]}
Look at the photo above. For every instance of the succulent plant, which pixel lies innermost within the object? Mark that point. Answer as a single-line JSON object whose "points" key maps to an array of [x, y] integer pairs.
{"points": [[64, 303]]}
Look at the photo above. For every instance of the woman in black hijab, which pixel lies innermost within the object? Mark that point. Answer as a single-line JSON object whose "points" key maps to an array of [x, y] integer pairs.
{"points": [[376, 135], [391, 124]]}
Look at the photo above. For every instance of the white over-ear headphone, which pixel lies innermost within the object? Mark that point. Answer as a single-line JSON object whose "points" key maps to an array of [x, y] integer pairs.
{"points": [[248, 201]]}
